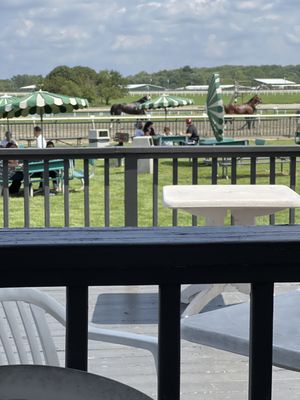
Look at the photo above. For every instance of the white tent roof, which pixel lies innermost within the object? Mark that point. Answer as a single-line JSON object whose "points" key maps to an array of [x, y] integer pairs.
{"points": [[30, 87], [275, 82], [133, 86]]}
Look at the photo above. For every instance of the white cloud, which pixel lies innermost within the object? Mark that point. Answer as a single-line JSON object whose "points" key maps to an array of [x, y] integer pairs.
{"points": [[128, 42], [294, 36], [136, 35]]}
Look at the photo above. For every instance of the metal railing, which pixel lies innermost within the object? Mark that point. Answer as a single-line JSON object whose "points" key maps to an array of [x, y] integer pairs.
{"points": [[76, 129]]}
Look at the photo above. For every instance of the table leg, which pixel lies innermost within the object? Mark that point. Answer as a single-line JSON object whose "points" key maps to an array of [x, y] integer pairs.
{"points": [[243, 217]]}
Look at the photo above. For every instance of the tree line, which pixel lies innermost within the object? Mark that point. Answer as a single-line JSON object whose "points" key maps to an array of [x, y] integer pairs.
{"points": [[104, 86]]}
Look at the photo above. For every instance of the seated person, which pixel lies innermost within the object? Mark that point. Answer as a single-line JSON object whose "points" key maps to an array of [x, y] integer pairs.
{"points": [[15, 176], [148, 129], [192, 131], [167, 131], [8, 138], [139, 129], [52, 174]]}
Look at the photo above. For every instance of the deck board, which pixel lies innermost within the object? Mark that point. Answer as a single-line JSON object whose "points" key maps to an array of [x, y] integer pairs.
{"points": [[206, 373]]}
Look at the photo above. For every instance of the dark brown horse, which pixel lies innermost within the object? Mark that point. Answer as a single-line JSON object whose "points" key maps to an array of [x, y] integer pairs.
{"points": [[129, 108], [247, 108]]}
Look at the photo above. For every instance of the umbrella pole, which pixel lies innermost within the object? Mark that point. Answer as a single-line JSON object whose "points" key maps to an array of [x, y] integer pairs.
{"points": [[42, 128]]}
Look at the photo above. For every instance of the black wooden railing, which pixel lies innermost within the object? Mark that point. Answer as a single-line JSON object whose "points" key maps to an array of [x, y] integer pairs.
{"points": [[167, 257], [274, 159]]}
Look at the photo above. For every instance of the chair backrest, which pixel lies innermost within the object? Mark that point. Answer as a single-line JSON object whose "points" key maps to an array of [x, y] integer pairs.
{"points": [[35, 382], [24, 330], [25, 336]]}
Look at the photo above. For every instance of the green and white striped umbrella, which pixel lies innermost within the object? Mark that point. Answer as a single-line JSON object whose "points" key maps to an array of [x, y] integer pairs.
{"points": [[215, 107], [165, 101], [7, 99], [41, 102]]}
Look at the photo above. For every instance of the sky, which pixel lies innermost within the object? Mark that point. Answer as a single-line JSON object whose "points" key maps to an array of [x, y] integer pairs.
{"points": [[136, 35]]}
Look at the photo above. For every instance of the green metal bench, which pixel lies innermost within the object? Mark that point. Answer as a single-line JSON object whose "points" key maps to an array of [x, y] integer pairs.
{"points": [[38, 167]]}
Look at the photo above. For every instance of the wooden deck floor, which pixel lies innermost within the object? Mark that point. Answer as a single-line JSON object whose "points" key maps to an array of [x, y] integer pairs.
{"points": [[206, 373]]}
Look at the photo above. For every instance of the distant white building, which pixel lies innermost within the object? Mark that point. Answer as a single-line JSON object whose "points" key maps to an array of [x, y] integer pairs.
{"points": [[203, 88], [273, 83], [144, 87]]}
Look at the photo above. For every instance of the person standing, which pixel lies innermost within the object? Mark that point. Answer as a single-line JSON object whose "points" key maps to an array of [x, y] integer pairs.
{"points": [[40, 140], [192, 131], [40, 144]]}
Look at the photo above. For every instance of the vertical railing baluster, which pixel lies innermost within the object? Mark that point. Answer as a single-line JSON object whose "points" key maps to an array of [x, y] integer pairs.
{"points": [[5, 195], [46, 189], [77, 327], [106, 193], [261, 336], [26, 194], [66, 180], [272, 182], [194, 182], [253, 170], [292, 186], [233, 179], [86, 192], [175, 182], [169, 342], [214, 170], [233, 171], [131, 192], [155, 192]]}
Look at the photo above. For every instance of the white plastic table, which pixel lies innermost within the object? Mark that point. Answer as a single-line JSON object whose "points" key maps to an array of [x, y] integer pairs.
{"points": [[246, 202]]}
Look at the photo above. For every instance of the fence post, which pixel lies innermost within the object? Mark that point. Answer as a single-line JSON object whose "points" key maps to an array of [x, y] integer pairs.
{"points": [[131, 199]]}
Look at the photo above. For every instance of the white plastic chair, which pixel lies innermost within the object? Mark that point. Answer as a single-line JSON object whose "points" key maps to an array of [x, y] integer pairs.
{"points": [[26, 337], [36, 382]]}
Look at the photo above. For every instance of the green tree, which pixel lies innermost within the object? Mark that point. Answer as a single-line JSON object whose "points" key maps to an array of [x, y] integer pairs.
{"points": [[110, 85], [19, 81], [77, 81]]}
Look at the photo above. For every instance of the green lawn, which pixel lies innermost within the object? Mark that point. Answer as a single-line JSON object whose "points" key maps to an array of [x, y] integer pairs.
{"points": [[16, 204], [200, 99]]}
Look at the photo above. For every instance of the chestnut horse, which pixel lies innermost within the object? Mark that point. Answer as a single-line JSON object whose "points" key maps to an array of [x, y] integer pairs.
{"points": [[247, 108], [129, 108]]}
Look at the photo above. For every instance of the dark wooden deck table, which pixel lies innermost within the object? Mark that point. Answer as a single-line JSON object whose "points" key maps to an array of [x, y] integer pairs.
{"points": [[82, 257]]}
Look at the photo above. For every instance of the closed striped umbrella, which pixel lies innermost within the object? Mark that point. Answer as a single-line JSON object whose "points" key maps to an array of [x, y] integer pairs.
{"points": [[165, 101], [215, 107]]}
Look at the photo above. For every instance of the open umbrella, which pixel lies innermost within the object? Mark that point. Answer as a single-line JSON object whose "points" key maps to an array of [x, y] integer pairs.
{"points": [[215, 107], [6, 99], [165, 101], [42, 102]]}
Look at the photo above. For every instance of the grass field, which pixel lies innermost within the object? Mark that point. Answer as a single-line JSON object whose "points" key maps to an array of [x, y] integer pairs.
{"points": [[200, 99], [16, 204]]}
